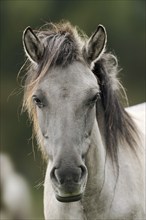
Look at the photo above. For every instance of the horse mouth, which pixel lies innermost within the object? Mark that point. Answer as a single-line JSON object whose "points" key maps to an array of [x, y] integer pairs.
{"points": [[74, 198]]}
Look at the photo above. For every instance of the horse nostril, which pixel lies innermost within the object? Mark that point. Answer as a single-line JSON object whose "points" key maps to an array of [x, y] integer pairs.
{"points": [[83, 171], [52, 174], [68, 176], [55, 177]]}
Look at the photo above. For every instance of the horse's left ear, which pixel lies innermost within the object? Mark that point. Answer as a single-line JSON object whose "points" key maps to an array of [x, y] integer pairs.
{"points": [[33, 47], [96, 44]]}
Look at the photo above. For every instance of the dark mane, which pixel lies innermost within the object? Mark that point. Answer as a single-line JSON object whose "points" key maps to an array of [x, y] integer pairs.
{"points": [[118, 123], [63, 45]]}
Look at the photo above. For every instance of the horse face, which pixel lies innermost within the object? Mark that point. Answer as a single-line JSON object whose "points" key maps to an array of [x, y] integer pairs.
{"points": [[65, 105]]}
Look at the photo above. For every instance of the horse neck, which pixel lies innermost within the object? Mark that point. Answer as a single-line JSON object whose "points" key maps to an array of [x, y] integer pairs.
{"points": [[95, 160], [98, 188]]}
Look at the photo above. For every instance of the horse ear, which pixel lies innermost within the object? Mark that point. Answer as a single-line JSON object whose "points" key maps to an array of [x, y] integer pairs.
{"points": [[34, 49], [96, 44]]}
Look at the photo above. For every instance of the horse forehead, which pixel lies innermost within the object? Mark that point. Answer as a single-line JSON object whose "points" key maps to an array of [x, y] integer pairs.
{"points": [[75, 77]]}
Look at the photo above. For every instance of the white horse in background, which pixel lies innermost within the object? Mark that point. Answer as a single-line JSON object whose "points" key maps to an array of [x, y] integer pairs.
{"points": [[15, 194]]}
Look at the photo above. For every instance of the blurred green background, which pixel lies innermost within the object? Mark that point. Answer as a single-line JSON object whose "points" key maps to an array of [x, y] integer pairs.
{"points": [[125, 24]]}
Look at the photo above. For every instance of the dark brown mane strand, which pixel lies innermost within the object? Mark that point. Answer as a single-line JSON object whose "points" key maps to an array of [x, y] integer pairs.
{"points": [[62, 44], [118, 123]]}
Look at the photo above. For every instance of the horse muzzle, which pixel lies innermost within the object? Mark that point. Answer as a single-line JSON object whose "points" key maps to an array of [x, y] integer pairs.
{"points": [[69, 183]]}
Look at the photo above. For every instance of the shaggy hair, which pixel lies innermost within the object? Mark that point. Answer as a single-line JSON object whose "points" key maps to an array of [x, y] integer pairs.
{"points": [[118, 124], [64, 45]]}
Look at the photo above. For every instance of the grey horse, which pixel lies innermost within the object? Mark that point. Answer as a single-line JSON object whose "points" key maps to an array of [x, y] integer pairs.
{"points": [[94, 148]]}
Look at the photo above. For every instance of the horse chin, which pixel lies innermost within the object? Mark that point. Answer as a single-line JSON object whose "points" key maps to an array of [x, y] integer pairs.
{"points": [[66, 199]]}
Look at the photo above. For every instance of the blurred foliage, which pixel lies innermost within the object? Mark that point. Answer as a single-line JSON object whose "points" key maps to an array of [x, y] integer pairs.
{"points": [[125, 24]]}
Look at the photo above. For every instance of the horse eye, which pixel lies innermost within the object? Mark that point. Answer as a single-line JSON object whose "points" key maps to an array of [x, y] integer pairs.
{"points": [[37, 101], [94, 99]]}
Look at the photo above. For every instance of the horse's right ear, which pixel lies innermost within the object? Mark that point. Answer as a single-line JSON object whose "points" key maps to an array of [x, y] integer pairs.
{"points": [[33, 47]]}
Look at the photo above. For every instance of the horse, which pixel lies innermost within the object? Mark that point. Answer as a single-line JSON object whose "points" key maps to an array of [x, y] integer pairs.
{"points": [[13, 190], [93, 146]]}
